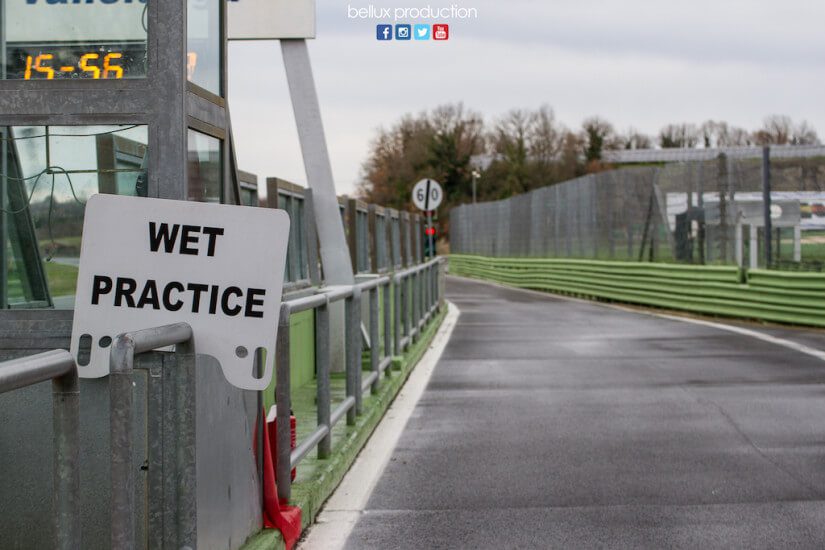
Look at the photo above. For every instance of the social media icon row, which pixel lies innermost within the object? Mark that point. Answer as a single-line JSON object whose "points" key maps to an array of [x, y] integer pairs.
{"points": [[410, 32]]}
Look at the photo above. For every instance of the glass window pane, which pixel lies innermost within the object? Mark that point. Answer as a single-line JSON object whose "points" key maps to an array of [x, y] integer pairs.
{"points": [[47, 173], [249, 196], [48, 40], [203, 26], [205, 170]]}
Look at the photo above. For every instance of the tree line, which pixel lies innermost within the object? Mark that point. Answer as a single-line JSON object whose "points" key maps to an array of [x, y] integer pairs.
{"points": [[527, 149]]}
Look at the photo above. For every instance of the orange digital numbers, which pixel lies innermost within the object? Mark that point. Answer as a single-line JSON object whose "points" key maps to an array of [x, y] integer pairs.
{"points": [[87, 68], [108, 68], [28, 74], [89, 64], [44, 69]]}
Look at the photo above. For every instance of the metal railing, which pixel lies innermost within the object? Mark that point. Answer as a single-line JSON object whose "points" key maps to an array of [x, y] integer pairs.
{"points": [[416, 298], [410, 299], [121, 410], [59, 367]]}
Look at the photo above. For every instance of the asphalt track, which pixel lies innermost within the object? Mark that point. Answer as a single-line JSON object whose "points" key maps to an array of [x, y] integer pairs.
{"points": [[551, 423]]}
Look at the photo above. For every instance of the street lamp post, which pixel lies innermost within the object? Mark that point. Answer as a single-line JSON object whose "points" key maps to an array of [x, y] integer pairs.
{"points": [[476, 175]]}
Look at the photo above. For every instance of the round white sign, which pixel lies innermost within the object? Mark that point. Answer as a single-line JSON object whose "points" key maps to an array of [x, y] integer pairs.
{"points": [[427, 195], [776, 211]]}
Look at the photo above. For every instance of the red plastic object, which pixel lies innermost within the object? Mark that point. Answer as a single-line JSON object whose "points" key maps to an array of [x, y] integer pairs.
{"points": [[272, 426], [287, 519]]}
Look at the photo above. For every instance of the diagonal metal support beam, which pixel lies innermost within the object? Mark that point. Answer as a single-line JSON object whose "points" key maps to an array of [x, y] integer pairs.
{"points": [[334, 251]]}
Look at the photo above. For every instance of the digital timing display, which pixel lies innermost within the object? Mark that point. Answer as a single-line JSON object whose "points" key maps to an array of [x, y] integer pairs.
{"points": [[86, 61]]}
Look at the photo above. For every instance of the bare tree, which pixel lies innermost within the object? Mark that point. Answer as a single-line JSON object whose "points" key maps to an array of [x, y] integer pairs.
{"points": [[735, 137], [776, 130], [781, 130], [545, 136], [633, 139], [509, 142], [804, 134]]}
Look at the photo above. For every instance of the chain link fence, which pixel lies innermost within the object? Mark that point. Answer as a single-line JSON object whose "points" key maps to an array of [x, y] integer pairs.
{"points": [[708, 212]]}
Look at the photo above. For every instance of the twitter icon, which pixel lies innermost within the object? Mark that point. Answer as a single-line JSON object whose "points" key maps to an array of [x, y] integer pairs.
{"points": [[422, 32]]}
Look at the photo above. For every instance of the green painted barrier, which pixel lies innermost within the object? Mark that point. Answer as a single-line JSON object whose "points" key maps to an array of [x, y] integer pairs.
{"points": [[795, 298]]}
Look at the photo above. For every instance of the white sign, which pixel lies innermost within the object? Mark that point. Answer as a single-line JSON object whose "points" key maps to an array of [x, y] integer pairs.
{"points": [[270, 19], [148, 262], [776, 211], [69, 21], [427, 195]]}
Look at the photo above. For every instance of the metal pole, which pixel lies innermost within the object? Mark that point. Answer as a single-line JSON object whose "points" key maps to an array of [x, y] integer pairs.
{"points": [[388, 336], [4, 173], [121, 412], [187, 512], [283, 407], [766, 200], [66, 420], [474, 186], [353, 353], [322, 365], [59, 367], [396, 310], [121, 428], [430, 234], [375, 349]]}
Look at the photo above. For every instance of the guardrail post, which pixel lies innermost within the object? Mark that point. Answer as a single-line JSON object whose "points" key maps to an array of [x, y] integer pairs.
{"points": [[66, 498], [375, 339], [396, 284], [405, 311], [283, 407], [434, 285], [121, 422], [353, 352], [322, 365], [430, 271], [425, 280], [414, 304], [388, 336]]}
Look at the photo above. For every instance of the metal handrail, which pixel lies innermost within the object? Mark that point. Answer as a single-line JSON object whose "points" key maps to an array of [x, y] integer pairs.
{"points": [[58, 366], [121, 425], [416, 296]]}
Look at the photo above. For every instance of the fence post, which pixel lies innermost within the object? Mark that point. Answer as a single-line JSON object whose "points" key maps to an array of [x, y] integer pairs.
{"points": [[388, 336], [283, 407], [375, 339], [353, 352], [322, 365], [766, 200], [66, 496], [396, 310], [121, 422]]}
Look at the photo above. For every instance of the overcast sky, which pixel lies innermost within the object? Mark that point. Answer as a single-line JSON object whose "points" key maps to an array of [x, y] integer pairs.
{"points": [[640, 63]]}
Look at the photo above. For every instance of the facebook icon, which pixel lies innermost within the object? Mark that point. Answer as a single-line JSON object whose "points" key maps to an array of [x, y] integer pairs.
{"points": [[383, 32]]}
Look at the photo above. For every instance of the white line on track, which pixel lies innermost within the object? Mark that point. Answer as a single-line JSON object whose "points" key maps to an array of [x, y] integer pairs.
{"points": [[790, 344], [345, 506]]}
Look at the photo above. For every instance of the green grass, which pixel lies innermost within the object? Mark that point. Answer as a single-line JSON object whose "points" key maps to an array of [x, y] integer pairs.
{"points": [[62, 279]]}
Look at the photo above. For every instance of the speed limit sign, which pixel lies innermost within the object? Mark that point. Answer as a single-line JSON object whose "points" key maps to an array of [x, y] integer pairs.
{"points": [[427, 195]]}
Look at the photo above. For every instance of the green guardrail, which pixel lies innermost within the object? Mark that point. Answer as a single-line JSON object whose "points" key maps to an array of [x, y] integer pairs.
{"points": [[784, 297]]}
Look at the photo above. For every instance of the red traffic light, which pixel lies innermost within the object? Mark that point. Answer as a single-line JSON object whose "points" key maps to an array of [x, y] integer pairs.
{"points": [[430, 231]]}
